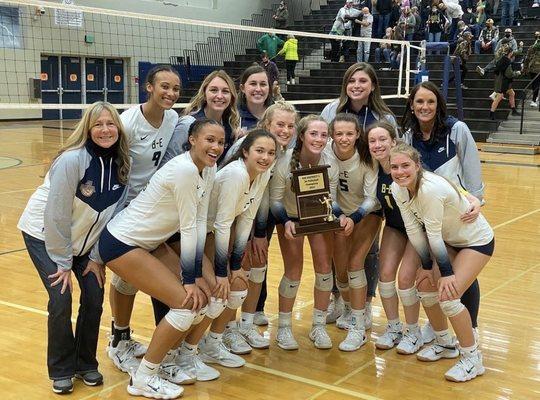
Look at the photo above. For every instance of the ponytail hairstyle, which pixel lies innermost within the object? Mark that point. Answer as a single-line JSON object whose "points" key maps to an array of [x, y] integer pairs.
{"points": [[81, 135], [360, 144], [151, 76], [197, 126], [302, 127], [266, 119], [248, 141], [391, 129]]}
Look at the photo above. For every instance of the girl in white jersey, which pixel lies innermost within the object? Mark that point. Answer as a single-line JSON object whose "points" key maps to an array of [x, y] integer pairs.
{"points": [[356, 197], [175, 200], [431, 208], [235, 198], [309, 150], [149, 127]]}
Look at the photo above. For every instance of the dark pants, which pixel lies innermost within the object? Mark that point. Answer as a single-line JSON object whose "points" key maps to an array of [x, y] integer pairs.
{"points": [[290, 65], [384, 22], [68, 354], [270, 225], [453, 30], [471, 301], [535, 85], [463, 68]]}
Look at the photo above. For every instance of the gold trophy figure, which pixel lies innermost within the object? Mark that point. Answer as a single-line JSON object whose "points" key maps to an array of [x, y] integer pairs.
{"points": [[327, 201]]}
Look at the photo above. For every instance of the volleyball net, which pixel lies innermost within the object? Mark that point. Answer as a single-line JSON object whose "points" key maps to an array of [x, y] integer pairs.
{"points": [[56, 58]]}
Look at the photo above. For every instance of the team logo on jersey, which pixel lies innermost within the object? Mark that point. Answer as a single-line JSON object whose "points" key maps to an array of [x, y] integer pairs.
{"points": [[116, 187], [143, 137], [87, 189], [441, 149]]}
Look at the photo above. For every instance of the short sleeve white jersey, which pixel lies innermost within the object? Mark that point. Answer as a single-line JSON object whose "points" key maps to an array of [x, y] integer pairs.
{"points": [[147, 145]]}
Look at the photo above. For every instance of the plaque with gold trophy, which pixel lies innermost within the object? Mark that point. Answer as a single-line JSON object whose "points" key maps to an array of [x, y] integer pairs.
{"points": [[313, 201]]}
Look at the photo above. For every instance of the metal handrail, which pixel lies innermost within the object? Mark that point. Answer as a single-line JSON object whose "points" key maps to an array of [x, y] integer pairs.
{"points": [[523, 101]]}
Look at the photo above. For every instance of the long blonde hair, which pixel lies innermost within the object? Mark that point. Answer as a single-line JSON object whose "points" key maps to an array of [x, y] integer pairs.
{"points": [[198, 102], [268, 115], [81, 135]]}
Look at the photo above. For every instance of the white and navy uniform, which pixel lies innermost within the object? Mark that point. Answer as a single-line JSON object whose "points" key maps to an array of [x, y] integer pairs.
{"points": [[357, 185], [283, 199], [233, 197], [147, 145], [389, 208], [455, 156], [437, 208], [175, 200], [74, 203], [365, 116]]}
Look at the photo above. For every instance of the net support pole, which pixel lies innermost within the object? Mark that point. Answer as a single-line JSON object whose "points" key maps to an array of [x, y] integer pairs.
{"points": [[400, 71], [408, 70]]}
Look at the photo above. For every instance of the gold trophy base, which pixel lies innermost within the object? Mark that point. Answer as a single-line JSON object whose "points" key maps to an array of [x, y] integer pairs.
{"points": [[320, 227]]}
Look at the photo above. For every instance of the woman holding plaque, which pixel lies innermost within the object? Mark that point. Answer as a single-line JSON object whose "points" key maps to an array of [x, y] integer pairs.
{"points": [[361, 96], [308, 151], [356, 196]]}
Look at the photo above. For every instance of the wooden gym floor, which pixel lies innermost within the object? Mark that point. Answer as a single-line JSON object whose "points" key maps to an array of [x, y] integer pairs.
{"points": [[509, 313]]}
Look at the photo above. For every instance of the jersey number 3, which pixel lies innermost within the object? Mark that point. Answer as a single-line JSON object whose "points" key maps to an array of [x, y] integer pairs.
{"points": [[156, 157]]}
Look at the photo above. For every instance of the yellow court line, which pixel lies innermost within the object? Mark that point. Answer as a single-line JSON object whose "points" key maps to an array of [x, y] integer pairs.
{"points": [[516, 219]]}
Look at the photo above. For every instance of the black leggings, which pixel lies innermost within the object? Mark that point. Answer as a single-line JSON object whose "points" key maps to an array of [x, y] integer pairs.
{"points": [[290, 65], [471, 301], [160, 310]]}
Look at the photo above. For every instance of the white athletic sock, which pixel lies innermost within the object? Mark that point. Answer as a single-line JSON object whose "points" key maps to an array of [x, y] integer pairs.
{"points": [[470, 351], [357, 319], [246, 320], [443, 337], [319, 317], [214, 337], [121, 328], [284, 319], [394, 322], [146, 368], [187, 348], [412, 327]]}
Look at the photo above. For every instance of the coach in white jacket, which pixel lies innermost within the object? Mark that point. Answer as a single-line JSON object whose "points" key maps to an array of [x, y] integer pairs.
{"points": [[453, 12]]}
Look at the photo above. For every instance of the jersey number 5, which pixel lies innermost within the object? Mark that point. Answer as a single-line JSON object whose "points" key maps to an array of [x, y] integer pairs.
{"points": [[156, 157]]}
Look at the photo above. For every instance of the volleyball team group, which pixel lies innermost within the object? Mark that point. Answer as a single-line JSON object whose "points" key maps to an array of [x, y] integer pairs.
{"points": [[183, 209]]}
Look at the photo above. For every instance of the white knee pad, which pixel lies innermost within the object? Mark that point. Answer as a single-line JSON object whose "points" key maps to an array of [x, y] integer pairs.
{"points": [[357, 279], [342, 286], [451, 308], [123, 287], [215, 307], [180, 318], [256, 275], [428, 299], [387, 290], [288, 288], [408, 297], [236, 298], [200, 315], [324, 282]]}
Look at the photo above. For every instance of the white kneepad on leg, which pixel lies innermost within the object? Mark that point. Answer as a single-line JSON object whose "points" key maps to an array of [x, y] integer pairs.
{"points": [[123, 287], [236, 299], [180, 318], [408, 297], [256, 275], [357, 279], [288, 288], [215, 307], [387, 290], [324, 282], [428, 299], [451, 308], [200, 315], [342, 286]]}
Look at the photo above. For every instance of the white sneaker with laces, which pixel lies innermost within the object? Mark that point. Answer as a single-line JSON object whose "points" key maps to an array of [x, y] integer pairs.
{"points": [[260, 318], [254, 338], [285, 338], [428, 334], [335, 309], [534, 104], [437, 351], [411, 342], [320, 338], [390, 338], [355, 339], [468, 367], [215, 352], [170, 370], [368, 316], [154, 387], [192, 364], [235, 342], [123, 356], [139, 349], [344, 320]]}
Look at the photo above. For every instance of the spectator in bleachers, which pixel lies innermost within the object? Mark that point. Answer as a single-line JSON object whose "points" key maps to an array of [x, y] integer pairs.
{"points": [[343, 23], [510, 40], [531, 66], [384, 48], [493, 6], [269, 43], [453, 12], [507, 12], [425, 10], [384, 8], [271, 70], [290, 49], [395, 55], [281, 16], [409, 21], [463, 51], [505, 75], [489, 36], [396, 13], [435, 24], [501, 51], [470, 19], [462, 28], [365, 23], [360, 4], [418, 26], [481, 15]]}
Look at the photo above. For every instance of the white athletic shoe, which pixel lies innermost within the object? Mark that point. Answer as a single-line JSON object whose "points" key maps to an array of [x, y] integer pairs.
{"points": [[493, 95], [170, 370], [260, 318], [390, 338], [437, 351], [285, 338], [411, 342], [123, 356], [344, 320], [215, 352], [192, 364], [139, 349], [368, 317], [254, 338], [235, 342], [534, 104], [428, 334], [335, 309], [468, 367], [154, 387], [355, 339], [320, 338]]}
